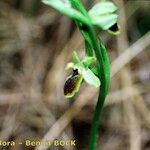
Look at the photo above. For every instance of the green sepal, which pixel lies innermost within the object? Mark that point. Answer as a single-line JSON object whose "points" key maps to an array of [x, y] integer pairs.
{"points": [[104, 22], [103, 16], [91, 78], [102, 8]]}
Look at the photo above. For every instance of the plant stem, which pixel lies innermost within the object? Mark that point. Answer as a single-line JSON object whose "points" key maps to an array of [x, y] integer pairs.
{"points": [[104, 78], [78, 5], [103, 68]]}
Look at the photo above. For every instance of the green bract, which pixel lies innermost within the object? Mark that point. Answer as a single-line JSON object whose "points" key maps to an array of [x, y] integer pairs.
{"points": [[83, 69], [64, 7]]}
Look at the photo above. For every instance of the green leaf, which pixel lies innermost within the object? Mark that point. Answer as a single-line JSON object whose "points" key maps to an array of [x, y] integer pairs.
{"points": [[102, 8], [88, 48], [64, 7], [106, 65], [90, 78], [104, 22], [95, 71]]}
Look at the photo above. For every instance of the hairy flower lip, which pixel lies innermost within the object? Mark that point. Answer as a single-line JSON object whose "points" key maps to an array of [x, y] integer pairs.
{"points": [[72, 84]]}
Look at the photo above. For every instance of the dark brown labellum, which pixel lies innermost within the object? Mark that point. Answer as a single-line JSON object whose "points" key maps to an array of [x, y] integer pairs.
{"points": [[72, 84]]}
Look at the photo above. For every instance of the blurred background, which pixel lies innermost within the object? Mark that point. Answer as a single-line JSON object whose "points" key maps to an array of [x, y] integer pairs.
{"points": [[35, 44]]}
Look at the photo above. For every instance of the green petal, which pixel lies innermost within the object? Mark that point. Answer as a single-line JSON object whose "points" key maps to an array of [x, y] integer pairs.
{"points": [[75, 57], [90, 78], [69, 65], [88, 61]]}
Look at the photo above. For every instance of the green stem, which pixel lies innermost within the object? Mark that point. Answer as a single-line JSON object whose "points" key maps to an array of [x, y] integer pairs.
{"points": [[103, 67], [78, 5], [95, 122]]}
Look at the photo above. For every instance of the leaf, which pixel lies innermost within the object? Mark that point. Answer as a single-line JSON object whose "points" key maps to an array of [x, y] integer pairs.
{"points": [[88, 48], [64, 7], [90, 78], [104, 22], [95, 71], [106, 66], [102, 8]]}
